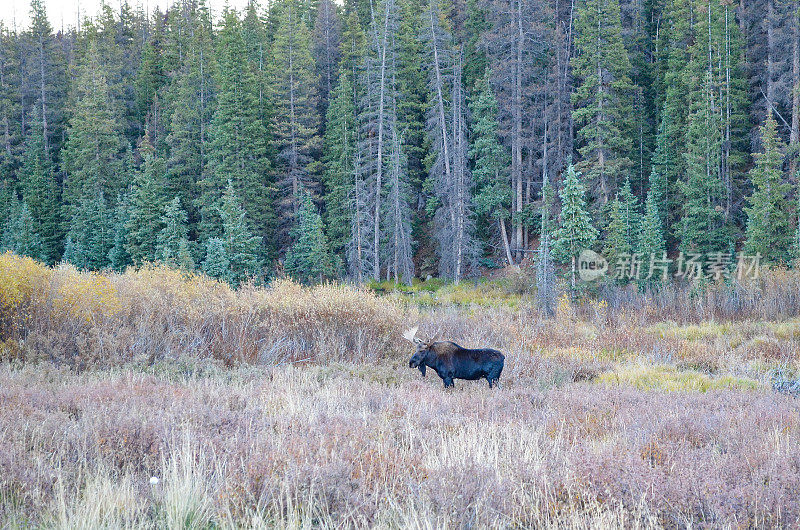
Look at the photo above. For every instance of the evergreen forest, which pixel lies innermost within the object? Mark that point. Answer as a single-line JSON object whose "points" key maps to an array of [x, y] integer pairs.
{"points": [[391, 139]]}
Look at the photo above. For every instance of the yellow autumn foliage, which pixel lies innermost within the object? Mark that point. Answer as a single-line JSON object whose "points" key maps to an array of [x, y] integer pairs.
{"points": [[157, 312], [22, 280]]}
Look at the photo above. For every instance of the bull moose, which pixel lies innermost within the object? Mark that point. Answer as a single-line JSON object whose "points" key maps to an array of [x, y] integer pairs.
{"points": [[451, 361]]}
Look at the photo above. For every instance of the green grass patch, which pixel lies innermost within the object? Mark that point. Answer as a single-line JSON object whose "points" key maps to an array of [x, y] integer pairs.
{"points": [[789, 330], [504, 292], [786, 330], [670, 379], [693, 331]]}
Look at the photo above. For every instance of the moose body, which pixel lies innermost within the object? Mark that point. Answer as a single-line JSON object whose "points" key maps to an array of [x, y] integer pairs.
{"points": [[450, 361]]}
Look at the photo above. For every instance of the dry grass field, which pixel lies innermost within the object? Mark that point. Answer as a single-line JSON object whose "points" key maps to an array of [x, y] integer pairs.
{"points": [[154, 399]]}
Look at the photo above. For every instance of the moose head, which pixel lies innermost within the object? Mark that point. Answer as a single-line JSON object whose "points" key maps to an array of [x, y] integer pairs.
{"points": [[422, 351]]}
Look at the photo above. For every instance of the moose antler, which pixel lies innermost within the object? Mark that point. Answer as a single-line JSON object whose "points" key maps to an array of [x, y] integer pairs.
{"points": [[411, 334]]}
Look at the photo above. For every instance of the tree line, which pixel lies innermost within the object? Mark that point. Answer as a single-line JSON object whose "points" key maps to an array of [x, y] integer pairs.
{"points": [[387, 139]]}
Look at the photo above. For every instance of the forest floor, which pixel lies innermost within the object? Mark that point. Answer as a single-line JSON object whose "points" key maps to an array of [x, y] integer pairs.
{"points": [[597, 422]]}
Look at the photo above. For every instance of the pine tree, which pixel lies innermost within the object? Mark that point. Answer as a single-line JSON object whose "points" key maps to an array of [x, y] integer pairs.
{"points": [[623, 230], [19, 235], [150, 77], [118, 256], [217, 265], [40, 192], [92, 151], [359, 247], [651, 237], [241, 247], [91, 233], [44, 80], [664, 174], [616, 244], [146, 207], [11, 114], [448, 172], [119, 48], [702, 227], [714, 76], [7, 200], [172, 246], [475, 60], [492, 188], [258, 42], [238, 151], [176, 32], [411, 106], [339, 148], [354, 46], [602, 98], [575, 232], [192, 96], [292, 78], [255, 36], [454, 222], [769, 211], [672, 99], [309, 260], [327, 50], [713, 141]]}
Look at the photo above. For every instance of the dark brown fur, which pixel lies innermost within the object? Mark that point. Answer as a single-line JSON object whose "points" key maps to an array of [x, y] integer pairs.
{"points": [[451, 361]]}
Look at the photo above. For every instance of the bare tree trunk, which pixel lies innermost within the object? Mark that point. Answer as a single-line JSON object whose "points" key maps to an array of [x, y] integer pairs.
{"points": [[528, 198], [43, 95], [328, 48], [601, 150], [517, 135], [359, 238], [794, 137], [293, 156], [573, 275], [459, 166], [379, 170], [726, 147], [770, 53], [22, 122], [202, 114], [504, 237], [439, 97], [359, 228]]}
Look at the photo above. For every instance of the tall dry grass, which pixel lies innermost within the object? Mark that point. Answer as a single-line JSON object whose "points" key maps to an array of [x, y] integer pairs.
{"points": [[91, 319], [335, 447], [773, 295], [606, 415], [146, 316]]}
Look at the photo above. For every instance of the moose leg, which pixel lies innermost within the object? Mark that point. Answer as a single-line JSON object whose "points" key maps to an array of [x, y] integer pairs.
{"points": [[448, 382]]}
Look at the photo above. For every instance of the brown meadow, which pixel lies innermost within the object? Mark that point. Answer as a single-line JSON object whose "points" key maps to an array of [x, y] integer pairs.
{"points": [[288, 406]]}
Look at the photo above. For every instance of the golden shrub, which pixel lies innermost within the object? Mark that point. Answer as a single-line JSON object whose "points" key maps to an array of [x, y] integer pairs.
{"points": [[24, 283], [156, 312], [85, 296], [22, 280]]}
